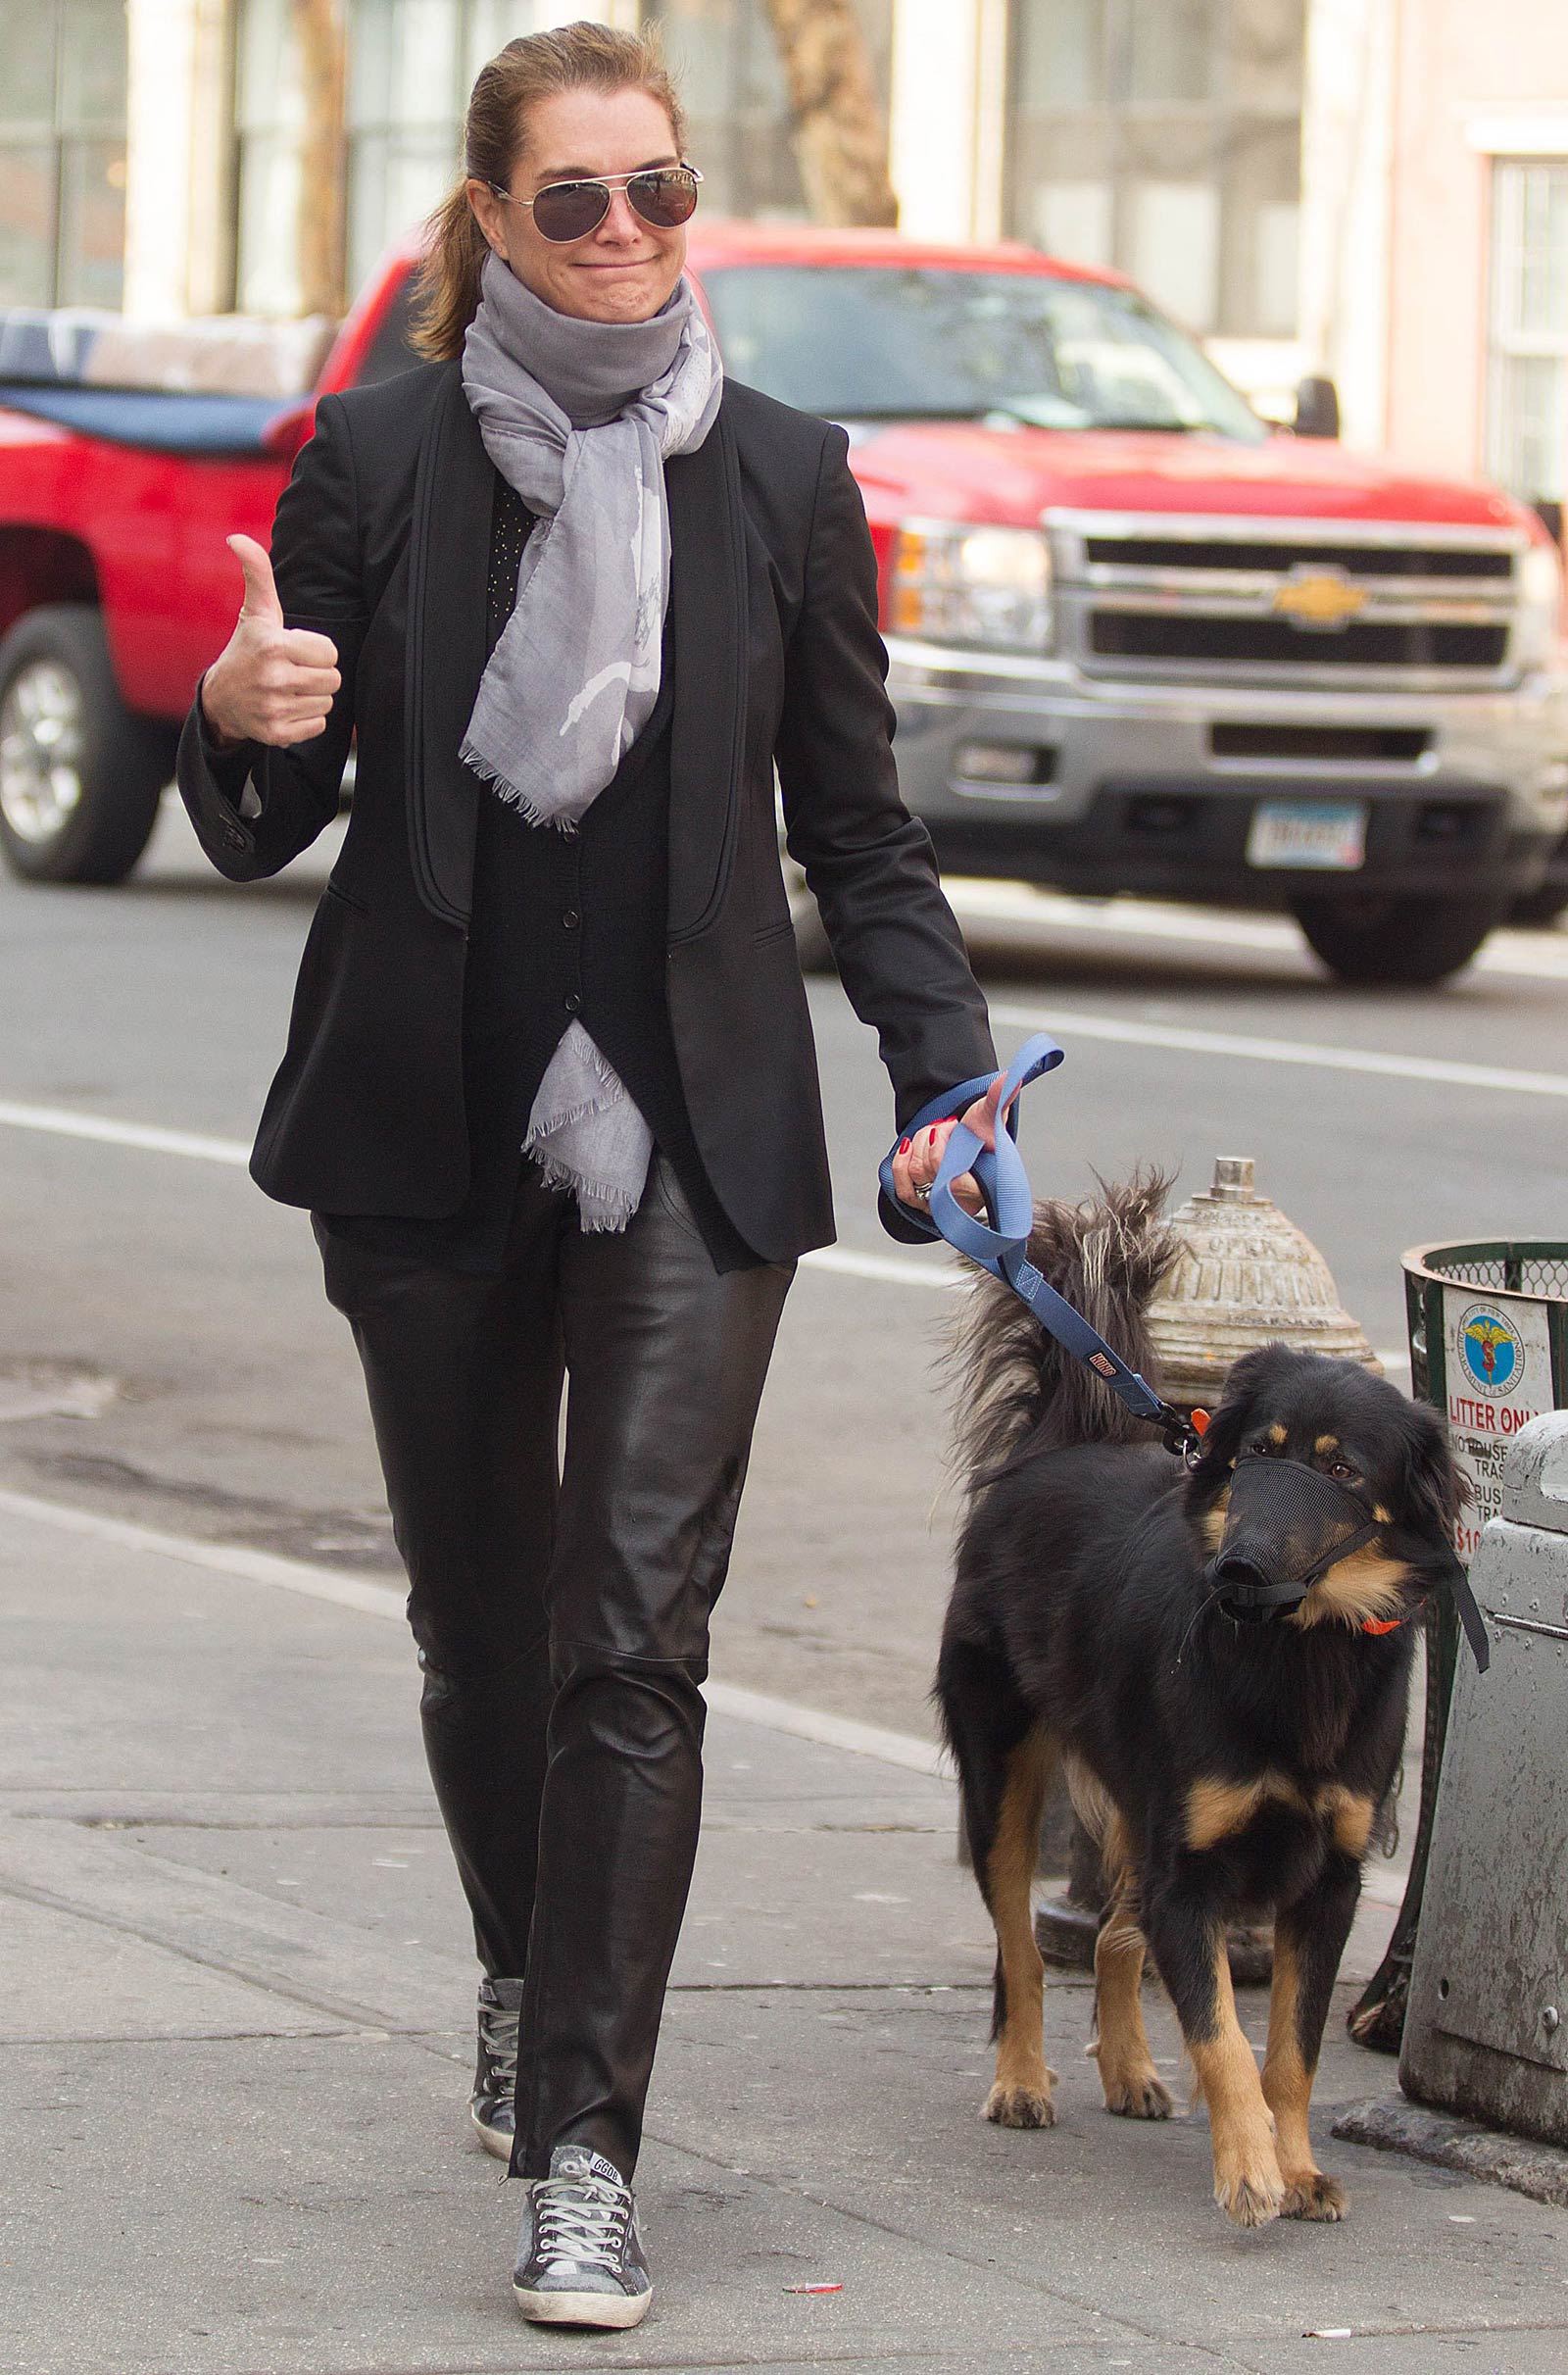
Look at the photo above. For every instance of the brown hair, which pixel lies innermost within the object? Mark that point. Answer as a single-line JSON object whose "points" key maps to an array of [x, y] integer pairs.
{"points": [[575, 57]]}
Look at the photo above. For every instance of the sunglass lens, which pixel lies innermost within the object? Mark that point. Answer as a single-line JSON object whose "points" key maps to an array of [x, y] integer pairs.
{"points": [[571, 210], [664, 199]]}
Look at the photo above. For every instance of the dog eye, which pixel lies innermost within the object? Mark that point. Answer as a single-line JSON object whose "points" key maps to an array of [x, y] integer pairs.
{"points": [[1344, 1470]]}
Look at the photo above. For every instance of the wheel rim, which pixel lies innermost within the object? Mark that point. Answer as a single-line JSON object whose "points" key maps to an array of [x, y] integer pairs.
{"points": [[41, 739]]}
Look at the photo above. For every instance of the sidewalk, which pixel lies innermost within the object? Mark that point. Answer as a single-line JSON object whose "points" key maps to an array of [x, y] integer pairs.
{"points": [[235, 2043]]}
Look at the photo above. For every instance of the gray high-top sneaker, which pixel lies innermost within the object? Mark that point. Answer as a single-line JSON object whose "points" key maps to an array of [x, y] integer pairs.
{"points": [[580, 2256], [495, 2077]]}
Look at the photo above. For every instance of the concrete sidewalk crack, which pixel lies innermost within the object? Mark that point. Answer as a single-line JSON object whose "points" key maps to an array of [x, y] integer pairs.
{"points": [[256, 1976], [800, 2192]]}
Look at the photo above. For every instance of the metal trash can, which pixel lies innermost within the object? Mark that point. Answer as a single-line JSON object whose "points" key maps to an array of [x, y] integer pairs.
{"points": [[1487, 2030], [1489, 1348]]}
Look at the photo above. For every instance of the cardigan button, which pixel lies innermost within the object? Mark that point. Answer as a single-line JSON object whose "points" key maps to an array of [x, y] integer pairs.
{"points": [[571, 1002], [570, 919]]}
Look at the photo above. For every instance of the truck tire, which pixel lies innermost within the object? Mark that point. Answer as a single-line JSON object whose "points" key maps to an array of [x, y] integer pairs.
{"points": [[81, 775], [1396, 943], [1541, 907]]}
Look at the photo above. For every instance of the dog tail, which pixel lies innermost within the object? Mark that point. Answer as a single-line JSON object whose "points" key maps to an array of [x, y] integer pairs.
{"points": [[1015, 1385]]}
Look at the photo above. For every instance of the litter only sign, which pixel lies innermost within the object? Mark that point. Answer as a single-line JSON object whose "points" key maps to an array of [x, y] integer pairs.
{"points": [[1497, 1355]]}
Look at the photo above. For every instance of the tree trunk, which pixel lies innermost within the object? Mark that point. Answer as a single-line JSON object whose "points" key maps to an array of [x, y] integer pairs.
{"points": [[840, 142], [318, 30]]}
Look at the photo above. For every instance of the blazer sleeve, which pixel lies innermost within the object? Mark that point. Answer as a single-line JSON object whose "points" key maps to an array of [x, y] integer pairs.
{"points": [[255, 808], [868, 863]]}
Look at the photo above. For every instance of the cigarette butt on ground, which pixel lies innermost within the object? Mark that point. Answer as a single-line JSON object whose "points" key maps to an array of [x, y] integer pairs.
{"points": [[814, 2288]]}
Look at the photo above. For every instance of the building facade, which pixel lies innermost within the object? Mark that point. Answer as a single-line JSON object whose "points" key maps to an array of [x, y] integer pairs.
{"points": [[1375, 188]]}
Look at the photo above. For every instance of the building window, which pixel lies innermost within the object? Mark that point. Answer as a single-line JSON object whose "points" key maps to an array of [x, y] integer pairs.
{"points": [[1527, 376], [1163, 137], [62, 152], [411, 66], [725, 60]]}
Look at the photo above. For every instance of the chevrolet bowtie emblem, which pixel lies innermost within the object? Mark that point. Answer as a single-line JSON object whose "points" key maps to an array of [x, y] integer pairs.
{"points": [[1319, 597]]}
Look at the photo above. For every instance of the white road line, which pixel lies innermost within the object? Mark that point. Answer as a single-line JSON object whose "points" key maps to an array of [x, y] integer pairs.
{"points": [[887, 1268], [231, 1558], [929, 1273], [106, 1132], [1380, 1062], [1062, 1024], [1525, 956], [385, 1601], [828, 1731]]}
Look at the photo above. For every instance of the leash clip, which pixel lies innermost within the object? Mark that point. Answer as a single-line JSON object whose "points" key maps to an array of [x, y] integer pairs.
{"points": [[1184, 1437]]}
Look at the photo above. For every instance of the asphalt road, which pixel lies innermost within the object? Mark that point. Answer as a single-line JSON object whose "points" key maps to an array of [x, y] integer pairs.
{"points": [[165, 1354]]}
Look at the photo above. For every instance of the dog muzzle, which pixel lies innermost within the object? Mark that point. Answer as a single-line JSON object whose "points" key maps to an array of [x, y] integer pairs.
{"points": [[1286, 1525]]}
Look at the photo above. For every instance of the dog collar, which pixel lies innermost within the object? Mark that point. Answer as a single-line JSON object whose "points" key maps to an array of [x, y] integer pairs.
{"points": [[1381, 1625]]}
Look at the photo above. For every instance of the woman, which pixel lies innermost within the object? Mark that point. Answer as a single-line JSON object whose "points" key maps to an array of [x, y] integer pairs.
{"points": [[549, 1089]]}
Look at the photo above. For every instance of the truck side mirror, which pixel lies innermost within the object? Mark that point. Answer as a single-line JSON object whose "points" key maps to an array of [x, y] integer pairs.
{"points": [[1318, 407]]}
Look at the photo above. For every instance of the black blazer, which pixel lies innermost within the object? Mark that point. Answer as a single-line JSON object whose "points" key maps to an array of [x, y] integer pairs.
{"points": [[380, 541]]}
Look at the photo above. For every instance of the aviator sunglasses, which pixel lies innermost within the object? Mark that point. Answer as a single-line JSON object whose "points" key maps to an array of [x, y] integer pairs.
{"points": [[665, 197]]}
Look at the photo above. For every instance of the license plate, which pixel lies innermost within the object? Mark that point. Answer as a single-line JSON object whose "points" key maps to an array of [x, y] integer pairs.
{"points": [[1326, 833]]}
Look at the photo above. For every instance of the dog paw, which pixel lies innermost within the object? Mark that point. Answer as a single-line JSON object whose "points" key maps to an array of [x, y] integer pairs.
{"points": [[1311, 2194], [1018, 2106], [1251, 2196], [1136, 2093]]}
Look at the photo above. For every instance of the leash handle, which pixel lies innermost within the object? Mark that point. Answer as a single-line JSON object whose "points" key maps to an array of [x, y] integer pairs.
{"points": [[1000, 1245], [948, 1219]]}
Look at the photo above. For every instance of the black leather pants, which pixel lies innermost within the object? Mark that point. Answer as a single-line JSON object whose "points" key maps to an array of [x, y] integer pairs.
{"points": [[561, 1606]]}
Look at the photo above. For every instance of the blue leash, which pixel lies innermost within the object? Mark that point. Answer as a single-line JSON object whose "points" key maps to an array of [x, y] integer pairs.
{"points": [[1002, 1247]]}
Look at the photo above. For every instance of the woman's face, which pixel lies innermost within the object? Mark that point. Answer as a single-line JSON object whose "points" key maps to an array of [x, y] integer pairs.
{"points": [[626, 269]]}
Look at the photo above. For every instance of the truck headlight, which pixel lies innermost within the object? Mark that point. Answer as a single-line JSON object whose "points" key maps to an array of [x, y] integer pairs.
{"points": [[1538, 631], [986, 586]]}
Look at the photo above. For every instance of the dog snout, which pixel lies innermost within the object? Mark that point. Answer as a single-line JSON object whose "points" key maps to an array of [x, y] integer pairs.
{"points": [[1246, 1587]]}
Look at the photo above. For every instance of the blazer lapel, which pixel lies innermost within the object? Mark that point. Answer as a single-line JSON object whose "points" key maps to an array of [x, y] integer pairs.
{"points": [[708, 629], [454, 496]]}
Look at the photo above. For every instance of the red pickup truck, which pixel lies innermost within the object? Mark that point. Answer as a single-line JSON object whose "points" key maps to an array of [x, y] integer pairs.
{"points": [[1139, 641]]}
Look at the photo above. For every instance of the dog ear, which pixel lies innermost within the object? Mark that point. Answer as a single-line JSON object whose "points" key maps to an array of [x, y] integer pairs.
{"points": [[1437, 1489], [1234, 1416]]}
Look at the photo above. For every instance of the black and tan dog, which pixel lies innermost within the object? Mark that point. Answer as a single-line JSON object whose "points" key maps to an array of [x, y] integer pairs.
{"points": [[1226, 1766]]}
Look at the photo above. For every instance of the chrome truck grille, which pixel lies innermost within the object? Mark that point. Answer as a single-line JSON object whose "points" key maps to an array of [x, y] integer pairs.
{"points": [[1285, 602]]}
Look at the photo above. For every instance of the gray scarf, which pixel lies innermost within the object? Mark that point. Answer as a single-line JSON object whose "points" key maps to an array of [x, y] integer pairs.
{"points": [[579, 416]]}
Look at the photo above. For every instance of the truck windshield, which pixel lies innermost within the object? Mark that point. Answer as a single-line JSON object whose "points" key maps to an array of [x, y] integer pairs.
{"points": [[879, 342]]}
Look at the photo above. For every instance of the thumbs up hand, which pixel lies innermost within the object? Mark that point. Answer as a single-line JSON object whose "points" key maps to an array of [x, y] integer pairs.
{"points": [[270, 683]]}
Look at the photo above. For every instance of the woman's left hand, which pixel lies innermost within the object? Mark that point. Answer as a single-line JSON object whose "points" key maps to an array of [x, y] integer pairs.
{"points": [[918, 1160]]}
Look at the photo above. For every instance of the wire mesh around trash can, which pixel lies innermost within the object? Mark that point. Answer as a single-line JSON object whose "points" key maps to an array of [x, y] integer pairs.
{"points": [[1510, 1269], [1488, 1349]]}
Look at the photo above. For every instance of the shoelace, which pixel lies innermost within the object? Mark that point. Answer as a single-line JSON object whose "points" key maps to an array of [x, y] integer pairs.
{"points": [[581, 2221], [499, 2030]]}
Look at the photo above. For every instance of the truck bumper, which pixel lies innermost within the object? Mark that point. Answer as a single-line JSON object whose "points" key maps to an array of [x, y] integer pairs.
{"points": [[1134, 787]]}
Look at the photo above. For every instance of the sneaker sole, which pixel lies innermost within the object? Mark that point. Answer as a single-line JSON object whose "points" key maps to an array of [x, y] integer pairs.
{"points": [[495, 2140], [581, 2309]]}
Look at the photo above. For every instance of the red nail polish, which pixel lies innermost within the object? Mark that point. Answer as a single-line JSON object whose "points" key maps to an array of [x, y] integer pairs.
{"points": [[931, 1137], [904, 1146]]}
